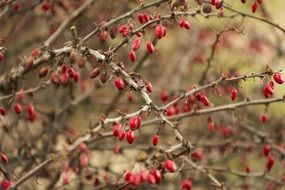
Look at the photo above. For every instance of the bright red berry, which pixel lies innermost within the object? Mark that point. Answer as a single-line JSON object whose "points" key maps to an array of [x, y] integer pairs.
{"points": [[264, 118], [122, 134], [150, 47], [119, 83], [160, 31], [254, 7], [205, 100], [140, 18], [31, 113], [170, 166], [155, 139], [6, 184], [132, 56], [164, 96], [157, 175], [151, 179], [134, 123], [278, 78], [130, 136]]}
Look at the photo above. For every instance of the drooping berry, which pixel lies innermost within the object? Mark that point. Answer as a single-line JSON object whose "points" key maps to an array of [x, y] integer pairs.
{"points": [[264, 118], [122, 134], [6, 184], [157, 175], [136, 43], [160, 31], [266, 149], [148, 87], [211, 126], [31, 113], [197, 154], [119, 83], [234, 94], [270, 162], [18, 108], [186, 185], [151, 179], [117, 129], [134, 123], [130, 136], [150, 47], [155, 139], [36, 53], [43, 72], [164, 96], [169, 166], [132, 56], [278, 78], [140, 18], [2, 111], [205, 100], [254, 7]]}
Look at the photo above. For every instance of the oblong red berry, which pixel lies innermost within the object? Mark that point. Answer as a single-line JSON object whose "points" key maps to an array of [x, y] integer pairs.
{"points": [[155, 139], [169, 166], [132, 56], [150, 47], [278, 78], [18, 108], [130, 136], [119, 83], [233, 94]]}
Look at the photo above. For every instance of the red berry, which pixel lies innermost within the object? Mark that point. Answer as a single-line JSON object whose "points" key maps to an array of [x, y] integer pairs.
{"points": [[160, 31], [270, 162], [140, 18], [132, 56], [46, 6], [150, 47], [119, 83], [136, 43], [2, 111], [186, 185], [234, 94], [264, 118], [157, 175], [170, 111], [170, 166], [122, 134], [117, 129], [197, 154], [155, 139], [130, 136], [211, 126], [205, 100], [151, 179], [4, 158], [31, 113], [213, 2], [266, 150], [268, 91], [278, 78], [43, 72], [1, 56], [134, 123], [6, 184], [18, 108], [181, 22], [146, 17], [164, 96], [128, 175], [254, 7], [186, 25]]}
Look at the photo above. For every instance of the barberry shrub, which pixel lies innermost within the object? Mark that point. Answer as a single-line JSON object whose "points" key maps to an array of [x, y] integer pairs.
{"points": [[145, 94]]}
